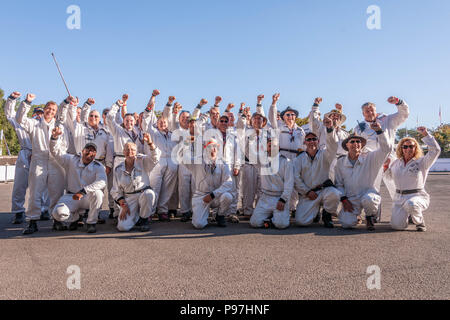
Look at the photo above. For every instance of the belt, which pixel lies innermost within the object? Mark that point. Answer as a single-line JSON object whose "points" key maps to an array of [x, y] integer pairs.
{"points": [[139, 191], [297, 152], [402, 192], [119, 156]]}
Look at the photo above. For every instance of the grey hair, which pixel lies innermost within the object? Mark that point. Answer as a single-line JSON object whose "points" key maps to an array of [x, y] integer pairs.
{"points": [[368, 104]]}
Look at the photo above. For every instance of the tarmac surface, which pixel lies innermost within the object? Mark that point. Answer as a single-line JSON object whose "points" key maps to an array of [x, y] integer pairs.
{"points": [[174, 261]]}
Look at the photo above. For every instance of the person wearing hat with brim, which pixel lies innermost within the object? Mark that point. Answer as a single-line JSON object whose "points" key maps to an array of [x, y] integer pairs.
{"points": [[312, 179], [86, 180], [213, 186], [291, 136], [253, 134], [317, 126], [23, 161], [356, 175]]}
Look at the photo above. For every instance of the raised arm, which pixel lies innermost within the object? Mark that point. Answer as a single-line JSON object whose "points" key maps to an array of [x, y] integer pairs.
{"points": [[332, 141], [149, 119], [398, 118], [434, 150], [273, 111], [113, 126], [259, 106], [10, 107], [315, 123], [55, 148], [378, 156], [21, 115]]}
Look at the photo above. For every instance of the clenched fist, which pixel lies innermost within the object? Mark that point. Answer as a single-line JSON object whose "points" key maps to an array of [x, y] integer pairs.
{"points": [[30, 97], [56, 132], [393, 100], [15, 94], [318, 100]]}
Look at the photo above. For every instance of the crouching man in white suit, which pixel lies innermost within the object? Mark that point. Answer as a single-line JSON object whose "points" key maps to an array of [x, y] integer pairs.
{"points": [[131, 189], [312, 179], [356, 178], [213, 186], [277, 184], [86, 179]]}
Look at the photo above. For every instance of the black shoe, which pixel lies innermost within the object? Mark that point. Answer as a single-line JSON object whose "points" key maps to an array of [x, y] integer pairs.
{"points": [[144, 224], [164, 217], [73, 226], [221, 221], [173, 214], [410, 220], [32, 228], [100, 220], [45, 216], [186, 216], [421, 227], [59, 226], [18, 219], [370, 224], [327, 220], [317, 218], [91, 228], [111, 213], [80, 222], [293, 212], [268, 224]]}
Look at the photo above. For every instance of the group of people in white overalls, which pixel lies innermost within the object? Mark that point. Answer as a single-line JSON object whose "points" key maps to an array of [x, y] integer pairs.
{"points": [[212, 166]]}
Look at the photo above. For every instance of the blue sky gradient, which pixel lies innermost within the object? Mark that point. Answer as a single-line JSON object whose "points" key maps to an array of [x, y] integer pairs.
{"points": [[236, 49]]}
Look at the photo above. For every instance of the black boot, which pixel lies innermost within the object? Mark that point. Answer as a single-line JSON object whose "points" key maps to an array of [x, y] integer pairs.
{"points": [[91, 228], [221, 221], [327, 221], [186, 216], [144, 224], [45, 216], [59, 226], [370, 224], [18, 219], [317, 218], [32, 228], [173, 214], [73, 226]]}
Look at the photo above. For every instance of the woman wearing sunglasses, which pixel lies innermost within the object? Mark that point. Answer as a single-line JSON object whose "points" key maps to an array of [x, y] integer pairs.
{"points": [[409, 173]]}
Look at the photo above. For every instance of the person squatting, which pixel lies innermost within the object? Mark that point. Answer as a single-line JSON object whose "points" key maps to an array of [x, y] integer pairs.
{"points": [[210, 166]]}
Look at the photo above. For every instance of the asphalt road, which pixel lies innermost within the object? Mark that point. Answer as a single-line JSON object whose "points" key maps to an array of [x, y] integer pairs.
{"points": [[174, 261]]}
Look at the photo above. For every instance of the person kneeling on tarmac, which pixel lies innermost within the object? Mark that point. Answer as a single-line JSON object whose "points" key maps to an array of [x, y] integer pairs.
{"points": [[277, 184], [131, 188], [312, 179], [86, 179], [213, 186]]}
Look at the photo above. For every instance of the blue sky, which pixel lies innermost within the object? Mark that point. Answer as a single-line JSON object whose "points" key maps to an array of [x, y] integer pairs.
{"points": [[236, 49]]}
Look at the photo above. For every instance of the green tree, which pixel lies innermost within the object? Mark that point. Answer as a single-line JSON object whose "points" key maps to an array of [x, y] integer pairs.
{"points": [[442, 135], [8, 130]]}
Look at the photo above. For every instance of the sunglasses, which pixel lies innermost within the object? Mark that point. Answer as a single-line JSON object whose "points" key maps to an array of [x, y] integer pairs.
{"points": [[412, 146], [290, 114], [354, 141], [223, 121], [311, 139], [92, 116]]}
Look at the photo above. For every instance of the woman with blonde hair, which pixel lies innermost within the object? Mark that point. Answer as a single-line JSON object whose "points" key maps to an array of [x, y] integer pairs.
{"points": [[409, 173]]}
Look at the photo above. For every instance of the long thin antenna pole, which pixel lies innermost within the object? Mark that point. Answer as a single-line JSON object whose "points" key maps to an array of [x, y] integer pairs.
{"points": [[60, 73]]}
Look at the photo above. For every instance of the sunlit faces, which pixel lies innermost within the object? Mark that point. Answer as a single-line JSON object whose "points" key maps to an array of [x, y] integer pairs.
{"points": [[289, 118], [215, 115], [257, 121], [311, 142], [231, 119], [223, 124]]}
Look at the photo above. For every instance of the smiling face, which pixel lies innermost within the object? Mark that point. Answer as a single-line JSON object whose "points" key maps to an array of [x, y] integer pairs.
{"points": [[215, 115], [231, 119], [369, 112], [354, 146], [130, 151], [311, 142], [257, 122], [223, 124], [94, 119], [289, 118], [162, 124], [129, 122], [184, 120], [88, 155], [50, 111]]}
